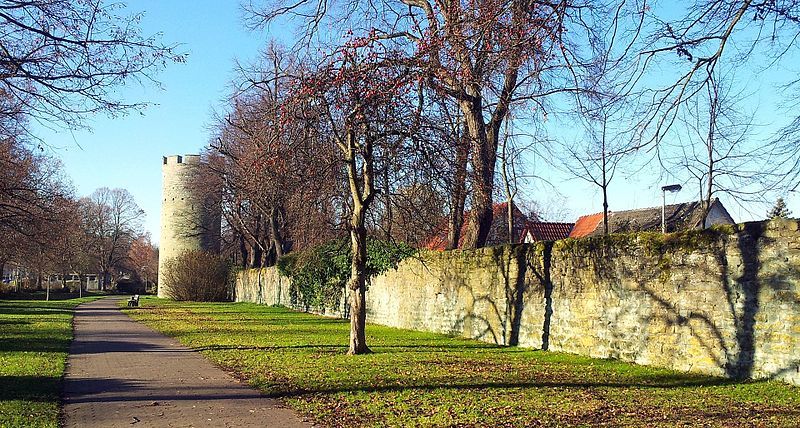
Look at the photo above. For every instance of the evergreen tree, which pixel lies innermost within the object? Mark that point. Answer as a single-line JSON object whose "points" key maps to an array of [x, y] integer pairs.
{"points": [[779, 210]]}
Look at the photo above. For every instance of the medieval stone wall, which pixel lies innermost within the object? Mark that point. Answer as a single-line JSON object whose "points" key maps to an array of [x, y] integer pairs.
{"points": [[721, 303]]}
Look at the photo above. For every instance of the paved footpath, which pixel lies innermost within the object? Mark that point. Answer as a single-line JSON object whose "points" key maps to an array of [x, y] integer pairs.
{"points": [[121, 373]]}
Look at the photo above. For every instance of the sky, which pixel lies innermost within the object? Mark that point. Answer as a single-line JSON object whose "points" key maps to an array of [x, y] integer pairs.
{"points": [[126, 151]]}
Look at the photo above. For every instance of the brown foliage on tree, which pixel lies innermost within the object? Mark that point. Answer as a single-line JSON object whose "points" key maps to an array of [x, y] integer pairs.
{"points": [[484, 56], [358, 98], [142, 260], [278, 185]]}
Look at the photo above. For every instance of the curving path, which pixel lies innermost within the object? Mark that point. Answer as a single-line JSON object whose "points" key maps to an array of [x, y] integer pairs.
{"points": [[121, 373]]}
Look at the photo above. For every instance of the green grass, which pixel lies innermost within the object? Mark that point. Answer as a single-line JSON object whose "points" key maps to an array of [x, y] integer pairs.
{"points": [[34, 342], [423, 379]]}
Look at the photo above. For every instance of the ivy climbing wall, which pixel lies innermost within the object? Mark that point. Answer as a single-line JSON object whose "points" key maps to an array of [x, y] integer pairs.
{"points": [[723, 302]]}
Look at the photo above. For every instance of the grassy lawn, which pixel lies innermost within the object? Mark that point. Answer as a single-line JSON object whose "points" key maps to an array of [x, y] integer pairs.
{"points": [[34, 342], [423, 379]]}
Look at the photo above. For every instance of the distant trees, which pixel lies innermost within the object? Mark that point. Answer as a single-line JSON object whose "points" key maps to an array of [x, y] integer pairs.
{"points": [[142, 260], [779, 210], [60, 61], [113, 221], [62, 235]]}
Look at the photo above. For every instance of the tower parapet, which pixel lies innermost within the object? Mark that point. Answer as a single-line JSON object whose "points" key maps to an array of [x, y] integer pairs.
{"points": [[190, 213]]}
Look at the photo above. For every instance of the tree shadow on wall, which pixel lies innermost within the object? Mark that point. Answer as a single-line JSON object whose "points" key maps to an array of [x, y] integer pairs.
{"points": [[504, 328], [741, 300]]}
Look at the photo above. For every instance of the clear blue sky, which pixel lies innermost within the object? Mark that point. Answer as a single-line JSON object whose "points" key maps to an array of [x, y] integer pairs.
{"points": [[126, 151]]}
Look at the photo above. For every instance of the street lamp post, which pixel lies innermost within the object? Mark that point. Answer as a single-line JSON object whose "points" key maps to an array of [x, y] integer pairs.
{"points": [[672, 188]]}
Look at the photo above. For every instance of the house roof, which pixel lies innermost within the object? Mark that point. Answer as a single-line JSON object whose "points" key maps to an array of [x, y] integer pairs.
{"points": [[546, 231], [585, 225], [682, 216], [438, 240]]}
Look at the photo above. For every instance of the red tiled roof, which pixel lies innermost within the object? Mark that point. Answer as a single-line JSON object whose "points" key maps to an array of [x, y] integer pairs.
{"points": [[682, 216], [546, 231], [586, 225], [438, 240]]}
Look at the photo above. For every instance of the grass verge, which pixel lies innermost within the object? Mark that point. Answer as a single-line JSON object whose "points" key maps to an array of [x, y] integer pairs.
{"points": [[424, 379], [34, 343]]}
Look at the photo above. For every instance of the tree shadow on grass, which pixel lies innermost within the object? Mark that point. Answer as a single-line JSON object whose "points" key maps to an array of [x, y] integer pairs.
{"points": [[667, 382], [40, 344], [29, 388], [377, 349], [32, 310]]}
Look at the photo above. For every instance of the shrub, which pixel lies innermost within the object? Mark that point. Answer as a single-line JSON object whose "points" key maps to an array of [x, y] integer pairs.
{"points": [[198, 276], [319, 274]]}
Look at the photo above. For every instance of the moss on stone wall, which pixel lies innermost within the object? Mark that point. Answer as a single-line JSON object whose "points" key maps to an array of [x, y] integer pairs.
{"points": [[651, 243]]}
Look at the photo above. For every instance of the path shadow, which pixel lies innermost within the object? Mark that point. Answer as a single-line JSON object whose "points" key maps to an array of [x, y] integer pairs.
{"points": [[108, 390]]}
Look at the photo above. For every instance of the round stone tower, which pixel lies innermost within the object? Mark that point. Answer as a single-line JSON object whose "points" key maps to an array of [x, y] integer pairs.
{"points": [[190, 212]]}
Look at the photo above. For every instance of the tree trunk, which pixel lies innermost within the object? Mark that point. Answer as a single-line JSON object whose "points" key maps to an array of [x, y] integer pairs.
{"points": [[277, 239], [605, 209], [604, 164], [357, 285], [509, 195], [459, 196], [484, 154], [709, 183], [243, 250]]}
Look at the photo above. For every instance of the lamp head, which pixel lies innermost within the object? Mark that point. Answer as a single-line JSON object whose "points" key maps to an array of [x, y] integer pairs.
{"points": [[672, 188]]}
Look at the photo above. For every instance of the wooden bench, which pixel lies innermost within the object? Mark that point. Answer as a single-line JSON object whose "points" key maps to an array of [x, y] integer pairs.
{"points": [[134, 301]]}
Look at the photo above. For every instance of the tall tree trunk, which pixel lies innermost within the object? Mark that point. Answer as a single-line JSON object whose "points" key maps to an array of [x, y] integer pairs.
{"points": [[362, 193], [509, 194], [387, 198], [709, 181], [605, 208], [357, 284], [243, 250], [277, 239], [484, 154], [459, 196], [604, 165]]}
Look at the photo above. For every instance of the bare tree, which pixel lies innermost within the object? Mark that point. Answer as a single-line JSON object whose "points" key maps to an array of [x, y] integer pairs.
{"points": [[61, 60], [358, 93], [716, 155], [113, 220], [714, 38], [484, 56], [606, 144]]}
